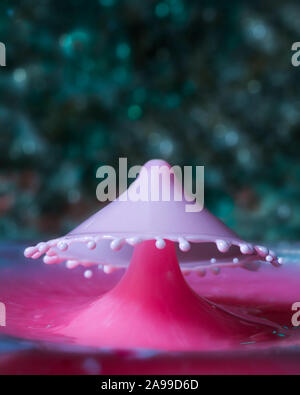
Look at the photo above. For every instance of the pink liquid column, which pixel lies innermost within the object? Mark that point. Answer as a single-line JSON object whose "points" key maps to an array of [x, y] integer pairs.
{"points": [[153, 307]]}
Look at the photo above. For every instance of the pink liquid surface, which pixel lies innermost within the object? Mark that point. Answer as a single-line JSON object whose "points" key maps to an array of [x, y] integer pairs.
{"points": [[61, 314]]}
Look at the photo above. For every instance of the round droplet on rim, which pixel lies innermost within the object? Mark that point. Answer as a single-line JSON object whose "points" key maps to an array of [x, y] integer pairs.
{"points": [[213, 261], [71, 264], [184, 245], [108, 269], [280, 261], [88, 274], [269, 258], [62, 246], [246, 249], [222, 245], [160, 244], [235, 261], [116, 244], [91, 245], [29, 252]]}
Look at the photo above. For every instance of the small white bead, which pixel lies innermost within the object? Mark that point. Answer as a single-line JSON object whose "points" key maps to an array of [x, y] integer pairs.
{"points": [[213, 260], [88, 274], [91, 245], [235, 261], [222, 245], [108, 269], [246, 249], [71, 264], [47, 259], [184, 246], [269, 258], [280, 261], [62, 246], [160, 244], [116, 244]]}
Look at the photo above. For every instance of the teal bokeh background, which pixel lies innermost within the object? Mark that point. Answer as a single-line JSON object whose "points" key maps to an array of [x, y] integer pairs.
{"points": [[194, 82]]}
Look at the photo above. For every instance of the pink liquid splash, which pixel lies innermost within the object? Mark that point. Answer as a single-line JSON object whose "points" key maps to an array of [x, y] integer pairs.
{"points": [[237, 322], [149, 311]]}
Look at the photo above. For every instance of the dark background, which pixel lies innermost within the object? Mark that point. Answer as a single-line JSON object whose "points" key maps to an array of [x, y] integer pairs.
{"points": [[194, 82]]}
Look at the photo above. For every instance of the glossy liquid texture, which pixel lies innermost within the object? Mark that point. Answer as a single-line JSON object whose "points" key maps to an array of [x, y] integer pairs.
{"points": [[49, 304]]}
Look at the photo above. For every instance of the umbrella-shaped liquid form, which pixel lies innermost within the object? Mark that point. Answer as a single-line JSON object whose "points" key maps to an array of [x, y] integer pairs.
{"points": [[152, 306]]}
